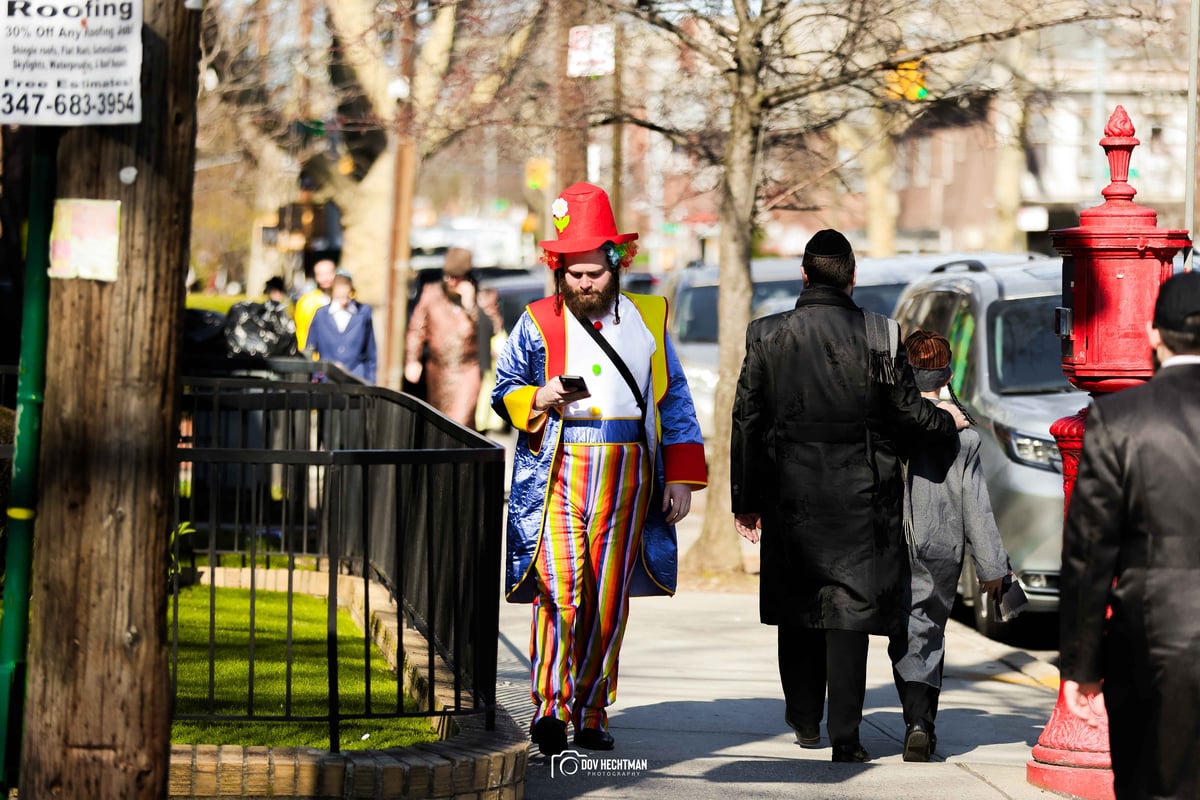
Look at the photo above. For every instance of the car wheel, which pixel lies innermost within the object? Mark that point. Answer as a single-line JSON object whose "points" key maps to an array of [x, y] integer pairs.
{"points": [[985, 613]]}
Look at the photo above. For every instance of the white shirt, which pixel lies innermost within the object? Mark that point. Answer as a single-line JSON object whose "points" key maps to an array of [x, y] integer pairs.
{"points": [[1181, 360], [341, 315], [610, 394]]}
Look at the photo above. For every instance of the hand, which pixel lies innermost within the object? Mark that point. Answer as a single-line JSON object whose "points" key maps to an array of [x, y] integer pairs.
{"points": [[553, 395], [960, 419], [992, 588], [412, 371], [748, 526], [466, 291], [677, 502], [1085, 700]]}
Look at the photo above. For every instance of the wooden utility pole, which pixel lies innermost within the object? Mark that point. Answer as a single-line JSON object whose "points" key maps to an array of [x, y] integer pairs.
{"points": [[97, 720], [570, 164], [404, 182]]}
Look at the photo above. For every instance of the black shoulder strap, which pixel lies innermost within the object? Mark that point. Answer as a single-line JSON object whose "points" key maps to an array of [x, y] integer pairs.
{"points": [[617, 361]]}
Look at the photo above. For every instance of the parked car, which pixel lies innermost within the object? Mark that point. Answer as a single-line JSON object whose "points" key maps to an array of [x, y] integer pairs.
{"points": [[1007, 372], [514, 292], [693, 294]]}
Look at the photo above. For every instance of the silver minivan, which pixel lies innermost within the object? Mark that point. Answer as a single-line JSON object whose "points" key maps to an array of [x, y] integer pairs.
{"points": [[1008, 373], [693, 293]]}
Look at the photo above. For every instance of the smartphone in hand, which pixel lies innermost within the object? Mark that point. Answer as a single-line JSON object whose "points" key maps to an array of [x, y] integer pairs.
{"points": [[573, 384]]}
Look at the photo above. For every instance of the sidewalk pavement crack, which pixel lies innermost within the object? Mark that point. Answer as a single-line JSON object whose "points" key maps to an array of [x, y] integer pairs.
{"points": [[967, 769]]}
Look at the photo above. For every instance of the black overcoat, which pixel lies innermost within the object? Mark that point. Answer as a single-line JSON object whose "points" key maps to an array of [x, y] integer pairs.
{"points": [[1134, 516], [813, 452]]}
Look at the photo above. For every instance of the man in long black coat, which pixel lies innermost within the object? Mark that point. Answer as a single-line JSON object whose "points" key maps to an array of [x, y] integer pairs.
{"points": [[814, 467], [1134, 516]]}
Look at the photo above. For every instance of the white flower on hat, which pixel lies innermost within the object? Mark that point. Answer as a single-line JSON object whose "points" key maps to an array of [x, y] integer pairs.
{"points": [[559, 208]]}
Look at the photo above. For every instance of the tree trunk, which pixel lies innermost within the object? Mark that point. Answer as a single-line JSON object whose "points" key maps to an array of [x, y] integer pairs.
{"points": [[571, 144], [98, 705], [367, 211], [879, 166], [1009, 120], [1009, 114], [719, 549]]}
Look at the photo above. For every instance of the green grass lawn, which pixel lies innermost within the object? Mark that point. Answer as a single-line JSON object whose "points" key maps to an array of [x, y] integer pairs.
{"points": [[310, 689]]}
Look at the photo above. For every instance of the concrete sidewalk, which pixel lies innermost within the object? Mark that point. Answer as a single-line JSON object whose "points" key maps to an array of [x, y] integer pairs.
{"points": [[699, 714]]}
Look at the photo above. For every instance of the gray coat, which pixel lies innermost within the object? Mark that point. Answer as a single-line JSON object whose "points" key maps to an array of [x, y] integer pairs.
{"points": [[947, 502]]}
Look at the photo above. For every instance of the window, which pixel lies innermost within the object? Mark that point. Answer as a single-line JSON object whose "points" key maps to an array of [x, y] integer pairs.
{"points": [[1025, 354], [962, 359], [697, 314], [931, 311], [775, 291], [880, 298]]}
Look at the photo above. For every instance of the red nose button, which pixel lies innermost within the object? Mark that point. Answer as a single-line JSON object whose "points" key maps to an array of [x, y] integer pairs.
{"points": [[597, 324]]}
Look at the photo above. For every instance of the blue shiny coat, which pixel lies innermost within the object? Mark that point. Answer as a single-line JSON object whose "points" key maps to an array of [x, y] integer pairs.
{"points": [[674, 439]]}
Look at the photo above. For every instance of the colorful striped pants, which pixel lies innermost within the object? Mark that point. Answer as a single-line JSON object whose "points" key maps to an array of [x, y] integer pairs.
{"points": [[591, 542]]}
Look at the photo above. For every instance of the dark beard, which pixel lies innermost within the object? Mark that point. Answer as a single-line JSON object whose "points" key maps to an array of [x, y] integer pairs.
{"points": [[1155, 362], [592, 304]]}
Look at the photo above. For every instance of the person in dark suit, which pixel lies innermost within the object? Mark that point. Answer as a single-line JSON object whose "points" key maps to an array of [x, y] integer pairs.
{"points": [[343, 332], [1133, 518], [819, 404]]}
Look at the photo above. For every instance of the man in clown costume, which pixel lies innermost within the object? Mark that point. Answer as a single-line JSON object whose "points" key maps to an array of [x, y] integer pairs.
{"points": [[602, 471]]}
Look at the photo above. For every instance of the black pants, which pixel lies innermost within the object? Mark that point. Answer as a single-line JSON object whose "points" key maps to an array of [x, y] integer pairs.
{"points": [[811, 659], [1154, 737], [919, 700]]}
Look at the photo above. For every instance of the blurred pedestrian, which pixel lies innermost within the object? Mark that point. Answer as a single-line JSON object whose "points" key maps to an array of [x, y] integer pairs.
{"points": [[824, 390], [317, 297], [449, 339], [343, 332], [1130, 584], [608, 454], [946, 509], [276, 293]]}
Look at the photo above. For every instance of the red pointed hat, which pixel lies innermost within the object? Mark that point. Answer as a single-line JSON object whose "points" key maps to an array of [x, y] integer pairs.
{"points": [[584, 220]]}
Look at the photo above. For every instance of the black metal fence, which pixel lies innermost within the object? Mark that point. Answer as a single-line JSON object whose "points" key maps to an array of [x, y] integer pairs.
{"points": [[286, 466], [281, 469]]}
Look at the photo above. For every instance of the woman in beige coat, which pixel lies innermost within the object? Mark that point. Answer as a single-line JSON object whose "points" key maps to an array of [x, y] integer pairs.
{"points": [[445, 328]]}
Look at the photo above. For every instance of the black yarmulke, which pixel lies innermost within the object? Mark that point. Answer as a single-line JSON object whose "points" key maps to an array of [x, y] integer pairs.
{"points": [[1178, 299], [828, 243]]}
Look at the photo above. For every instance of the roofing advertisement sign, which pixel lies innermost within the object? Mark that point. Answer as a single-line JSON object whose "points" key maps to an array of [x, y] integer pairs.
{"points": [[70, 62]]}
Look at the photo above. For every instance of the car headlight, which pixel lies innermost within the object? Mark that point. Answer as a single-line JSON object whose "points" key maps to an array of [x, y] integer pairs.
{"points": [[1027, 449]]}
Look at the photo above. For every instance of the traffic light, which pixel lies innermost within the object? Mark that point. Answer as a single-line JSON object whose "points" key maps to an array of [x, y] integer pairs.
{"points": [[907, 82]]}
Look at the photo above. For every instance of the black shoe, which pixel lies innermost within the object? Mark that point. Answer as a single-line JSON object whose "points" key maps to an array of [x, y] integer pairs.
{"points": [[594, 739], [932, 743], [918, 742], [852, 754], [807, 734], [550, 735]]}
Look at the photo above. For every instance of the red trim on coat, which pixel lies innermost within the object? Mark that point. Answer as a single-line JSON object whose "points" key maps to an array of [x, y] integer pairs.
{"points": [[684, 463], [553, 327]]}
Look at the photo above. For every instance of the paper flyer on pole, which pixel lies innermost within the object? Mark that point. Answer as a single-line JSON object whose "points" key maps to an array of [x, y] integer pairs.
{"points": [[85, 239]]}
